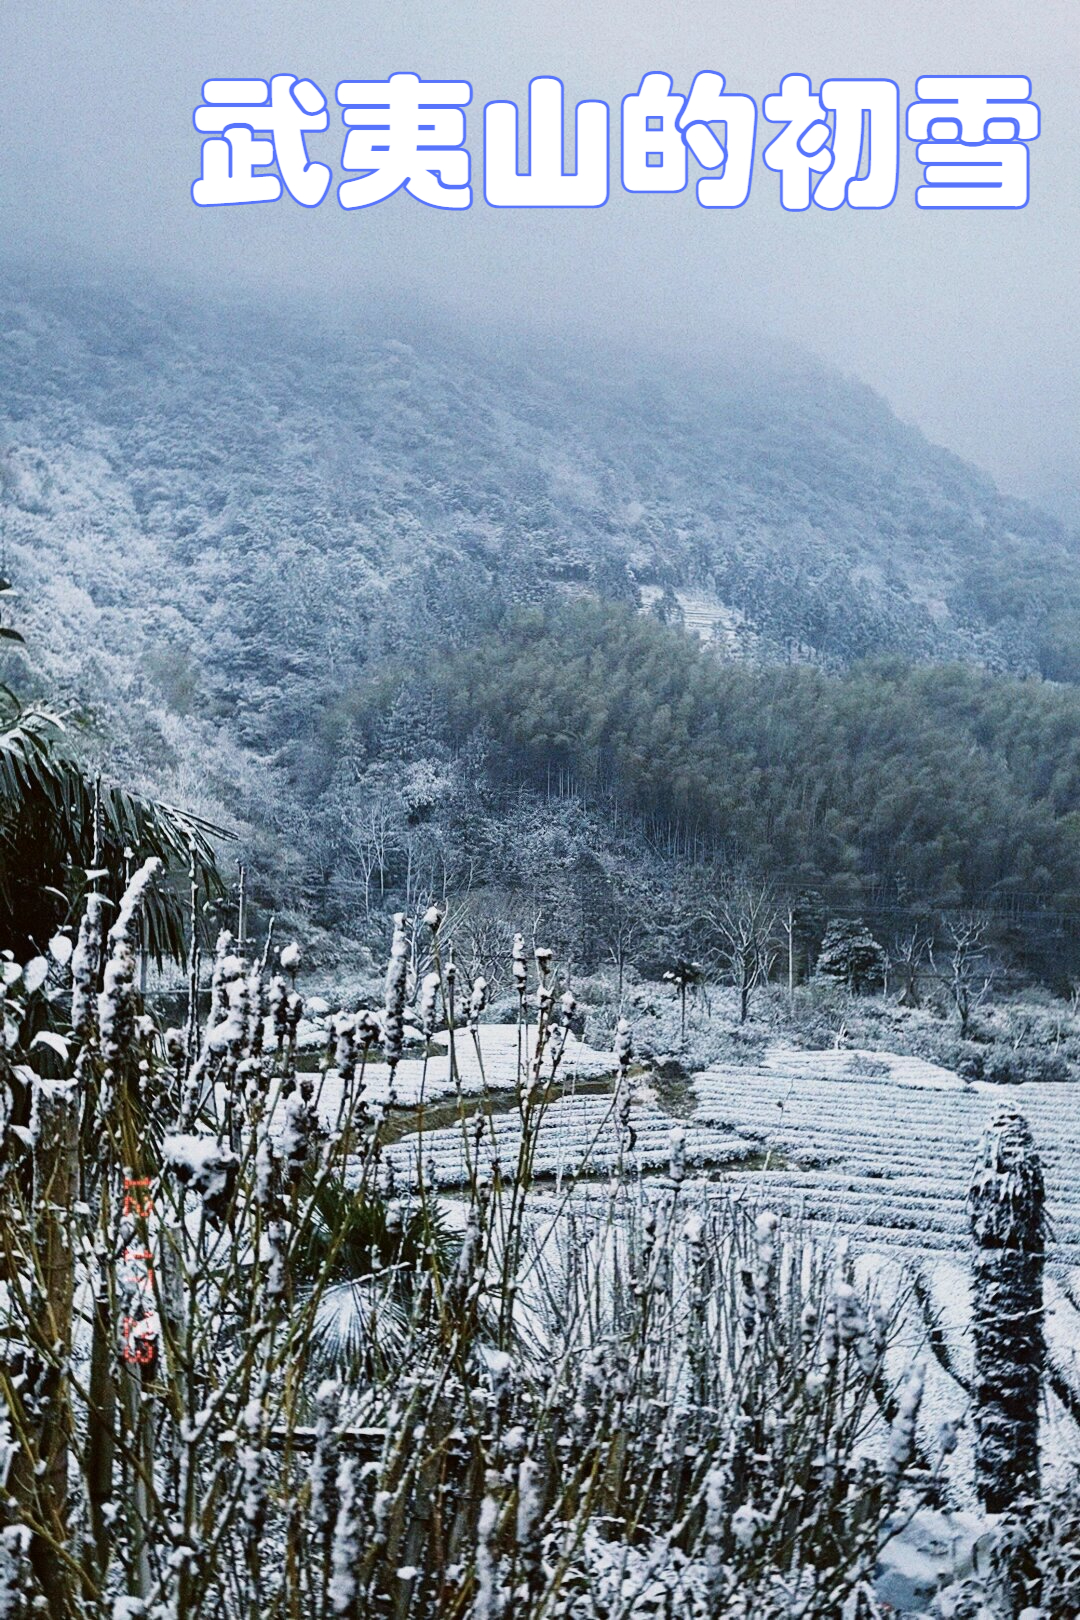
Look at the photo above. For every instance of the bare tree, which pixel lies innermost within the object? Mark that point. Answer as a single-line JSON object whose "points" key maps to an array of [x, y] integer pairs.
{"points": [[369, 841], [619, 938], [742, 925], [909, 954], [484, 935], [964, 968]]}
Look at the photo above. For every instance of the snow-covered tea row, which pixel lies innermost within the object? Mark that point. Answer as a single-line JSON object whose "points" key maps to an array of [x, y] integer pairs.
{"points": [[885, 1143], [579, 1135]]}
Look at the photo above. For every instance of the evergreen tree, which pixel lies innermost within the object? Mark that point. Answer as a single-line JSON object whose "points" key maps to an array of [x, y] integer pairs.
{"points": [[851, 954], [1008, 1225], [613, 580], [667, 608]]}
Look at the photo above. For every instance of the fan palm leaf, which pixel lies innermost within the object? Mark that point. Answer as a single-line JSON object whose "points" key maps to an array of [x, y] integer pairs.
{"points": [[48, 838]]}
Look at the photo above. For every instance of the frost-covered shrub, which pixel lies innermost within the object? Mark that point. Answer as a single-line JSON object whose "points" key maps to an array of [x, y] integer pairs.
{"points": [[826, 1012], [596, 990], [709, 1038], [1038, 1555], [966, 1057], [868, 1068], [1005, 1065], [1011, 1066]]}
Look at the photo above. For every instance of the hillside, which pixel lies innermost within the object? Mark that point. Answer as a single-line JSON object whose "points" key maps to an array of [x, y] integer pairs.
{"points": [[235, 531], [350, 459]]}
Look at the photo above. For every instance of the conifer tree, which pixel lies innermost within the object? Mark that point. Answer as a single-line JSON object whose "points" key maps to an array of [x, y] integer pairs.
{"points": [[850, 952], [1006, 1210]]}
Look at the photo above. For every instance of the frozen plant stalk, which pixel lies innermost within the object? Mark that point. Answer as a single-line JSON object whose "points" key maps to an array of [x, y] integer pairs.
{"points": [[394, 1006]]}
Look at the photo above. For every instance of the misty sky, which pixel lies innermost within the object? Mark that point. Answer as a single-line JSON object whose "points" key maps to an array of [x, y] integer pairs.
{"points": [[967, 323]]}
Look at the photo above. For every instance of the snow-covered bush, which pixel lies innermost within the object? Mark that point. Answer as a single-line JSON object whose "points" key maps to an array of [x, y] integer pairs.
{"points": [[1013, 1066], [1039, 1553]]}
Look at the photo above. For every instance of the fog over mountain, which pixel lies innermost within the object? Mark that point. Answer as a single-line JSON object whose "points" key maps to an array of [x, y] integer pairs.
{"points": [[965, 321], [270, 474], [238, 533]]}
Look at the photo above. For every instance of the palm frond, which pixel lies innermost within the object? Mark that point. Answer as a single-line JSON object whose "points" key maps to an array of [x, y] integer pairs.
{"points": [[48, 838], [359, 1326], [355, 1224]]}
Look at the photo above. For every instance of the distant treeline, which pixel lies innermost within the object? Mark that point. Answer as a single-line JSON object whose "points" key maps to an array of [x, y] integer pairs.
{"points": [[943, 782]]}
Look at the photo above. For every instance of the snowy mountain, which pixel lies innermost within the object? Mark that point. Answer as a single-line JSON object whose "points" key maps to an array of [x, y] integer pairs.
{"points": [[223, 516]]}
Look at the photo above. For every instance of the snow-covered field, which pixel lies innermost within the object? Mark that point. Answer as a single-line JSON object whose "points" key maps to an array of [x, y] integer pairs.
{"points": [[579, 1135], [888, 1155], [490, 1063], [871, 1147]]}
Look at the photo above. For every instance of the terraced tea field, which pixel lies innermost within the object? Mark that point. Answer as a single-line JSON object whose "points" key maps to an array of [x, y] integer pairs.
{"points": [[878, 1150], [882, 1146], [579, 1137], [869, 1147]]}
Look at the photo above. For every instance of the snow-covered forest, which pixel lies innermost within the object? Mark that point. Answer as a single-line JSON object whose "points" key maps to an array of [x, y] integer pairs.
{"points": [[541, 987]]}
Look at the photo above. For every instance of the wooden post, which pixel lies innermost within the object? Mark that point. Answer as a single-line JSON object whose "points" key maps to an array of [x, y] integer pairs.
{"points": [[790, 929], [240, 917]]}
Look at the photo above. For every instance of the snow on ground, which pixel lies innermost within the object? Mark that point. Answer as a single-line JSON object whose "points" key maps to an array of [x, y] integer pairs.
{"points": [[706, 617], [491, 1063], [578, 1136], [890, 1153], [845, 1063], [871, 1147], [934, 1550]]}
